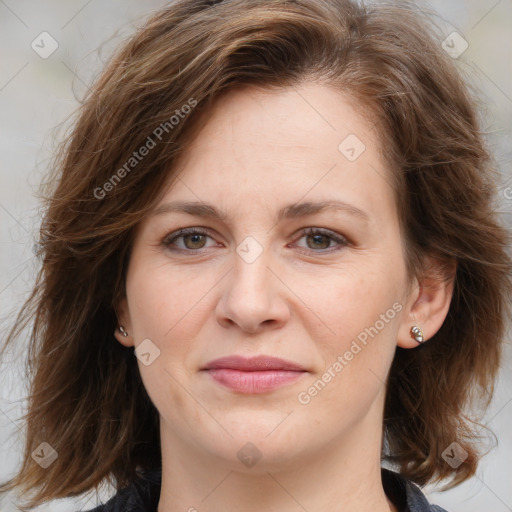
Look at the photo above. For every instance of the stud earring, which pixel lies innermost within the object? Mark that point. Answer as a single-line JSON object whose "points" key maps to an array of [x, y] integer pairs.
{"points": [[122, 330], [417, 334]]}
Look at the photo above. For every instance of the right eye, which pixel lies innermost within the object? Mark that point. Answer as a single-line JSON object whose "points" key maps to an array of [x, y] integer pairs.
{"points": [[192, 240]]}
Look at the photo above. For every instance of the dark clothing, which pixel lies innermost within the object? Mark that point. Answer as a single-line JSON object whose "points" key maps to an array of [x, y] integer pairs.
{"points": [[144, 494]]}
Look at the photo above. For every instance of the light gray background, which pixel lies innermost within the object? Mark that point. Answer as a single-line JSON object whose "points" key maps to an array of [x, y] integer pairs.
{"points": [[37, 95]]}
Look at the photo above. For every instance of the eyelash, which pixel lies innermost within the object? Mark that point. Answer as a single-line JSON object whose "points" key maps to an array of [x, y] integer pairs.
{"points": [[169, 239]]}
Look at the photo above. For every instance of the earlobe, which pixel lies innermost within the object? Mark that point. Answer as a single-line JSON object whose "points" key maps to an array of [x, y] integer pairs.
{"points": [[429, 305], [123, 329]]}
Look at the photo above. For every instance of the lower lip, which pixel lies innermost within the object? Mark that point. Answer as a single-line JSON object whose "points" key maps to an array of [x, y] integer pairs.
{"points": [[254, 382]]}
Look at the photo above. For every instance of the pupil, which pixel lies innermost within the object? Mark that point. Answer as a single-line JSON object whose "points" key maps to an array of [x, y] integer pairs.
{"points": [[196, 239], [318, 239]]}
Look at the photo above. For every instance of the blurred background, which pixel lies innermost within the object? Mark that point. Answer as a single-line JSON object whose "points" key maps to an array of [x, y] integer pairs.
{"points": [[51, 52]]}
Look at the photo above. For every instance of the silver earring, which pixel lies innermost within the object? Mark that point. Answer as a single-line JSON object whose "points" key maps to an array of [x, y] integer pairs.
{"points": [[417, 334], [122, 330]]}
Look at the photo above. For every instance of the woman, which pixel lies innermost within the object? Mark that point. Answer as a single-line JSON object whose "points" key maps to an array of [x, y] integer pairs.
{"points": [[269, 264]]}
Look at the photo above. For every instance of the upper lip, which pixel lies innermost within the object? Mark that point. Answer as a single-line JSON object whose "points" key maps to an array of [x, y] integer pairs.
{"points": [[249, 364]]}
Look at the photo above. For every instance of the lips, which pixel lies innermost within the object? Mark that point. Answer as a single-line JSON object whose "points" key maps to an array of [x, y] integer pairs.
{"points": [[253, 375], [253, 364]]}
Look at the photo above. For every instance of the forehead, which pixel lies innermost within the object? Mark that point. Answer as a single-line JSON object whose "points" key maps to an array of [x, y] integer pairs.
{"points": [[310, 117], [293, 142]]}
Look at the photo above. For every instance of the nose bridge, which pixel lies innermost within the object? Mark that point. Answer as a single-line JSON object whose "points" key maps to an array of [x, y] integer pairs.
{"points": [[251, 296], [251, 276]]}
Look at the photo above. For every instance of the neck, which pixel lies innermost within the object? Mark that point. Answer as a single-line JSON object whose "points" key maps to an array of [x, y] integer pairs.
{"points": [[343, 476]]}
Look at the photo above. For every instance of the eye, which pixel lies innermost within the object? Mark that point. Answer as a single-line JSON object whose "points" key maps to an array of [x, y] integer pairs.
{"points": [[320, 239], [192, 239]]}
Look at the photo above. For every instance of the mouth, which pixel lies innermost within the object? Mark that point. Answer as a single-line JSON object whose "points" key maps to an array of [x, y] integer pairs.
{"points": [[258, 374]]}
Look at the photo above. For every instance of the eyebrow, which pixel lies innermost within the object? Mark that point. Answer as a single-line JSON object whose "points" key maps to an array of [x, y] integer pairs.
{"points": [[295, 210]]}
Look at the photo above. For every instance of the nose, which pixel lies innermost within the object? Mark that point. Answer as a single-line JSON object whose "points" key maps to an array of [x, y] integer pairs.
{"points": [[253, 298]]}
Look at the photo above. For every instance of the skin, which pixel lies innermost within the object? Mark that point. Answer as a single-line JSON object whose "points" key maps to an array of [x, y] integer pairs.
{"points": [[304, 298]]}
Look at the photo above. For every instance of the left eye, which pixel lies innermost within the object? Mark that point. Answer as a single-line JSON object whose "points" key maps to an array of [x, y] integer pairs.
{"points": [[320, 239]]}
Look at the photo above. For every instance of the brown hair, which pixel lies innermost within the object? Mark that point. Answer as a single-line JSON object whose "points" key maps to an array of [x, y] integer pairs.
{"points": [[87, 399]]}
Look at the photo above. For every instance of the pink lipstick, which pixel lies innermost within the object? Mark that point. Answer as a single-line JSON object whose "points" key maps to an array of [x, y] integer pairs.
{"points": [[258, 374]]}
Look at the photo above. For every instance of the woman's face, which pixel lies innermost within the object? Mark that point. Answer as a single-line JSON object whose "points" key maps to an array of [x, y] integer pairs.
{"points": [[302, 261]]}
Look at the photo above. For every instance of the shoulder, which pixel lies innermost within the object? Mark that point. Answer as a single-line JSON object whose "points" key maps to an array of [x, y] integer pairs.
{"points": [[141, 495], [406, 494]]}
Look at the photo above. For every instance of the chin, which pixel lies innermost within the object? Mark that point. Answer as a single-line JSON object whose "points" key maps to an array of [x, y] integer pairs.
{"points": [[256, 455]]}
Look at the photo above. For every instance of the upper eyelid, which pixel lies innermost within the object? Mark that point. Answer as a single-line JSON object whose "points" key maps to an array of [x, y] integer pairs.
{"points": [[185, 231]]}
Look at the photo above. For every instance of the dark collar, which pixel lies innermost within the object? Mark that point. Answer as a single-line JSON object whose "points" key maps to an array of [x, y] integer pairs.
{"points": [[405, 495]]}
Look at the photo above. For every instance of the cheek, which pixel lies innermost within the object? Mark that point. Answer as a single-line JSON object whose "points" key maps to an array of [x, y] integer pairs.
{"points": [[345, 301], [360, 311], [163, 299], [164, 305], [364, 314]]}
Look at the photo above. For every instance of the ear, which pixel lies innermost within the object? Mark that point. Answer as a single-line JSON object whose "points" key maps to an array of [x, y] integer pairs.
{"points": [[429, 301], [123, 317]]}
